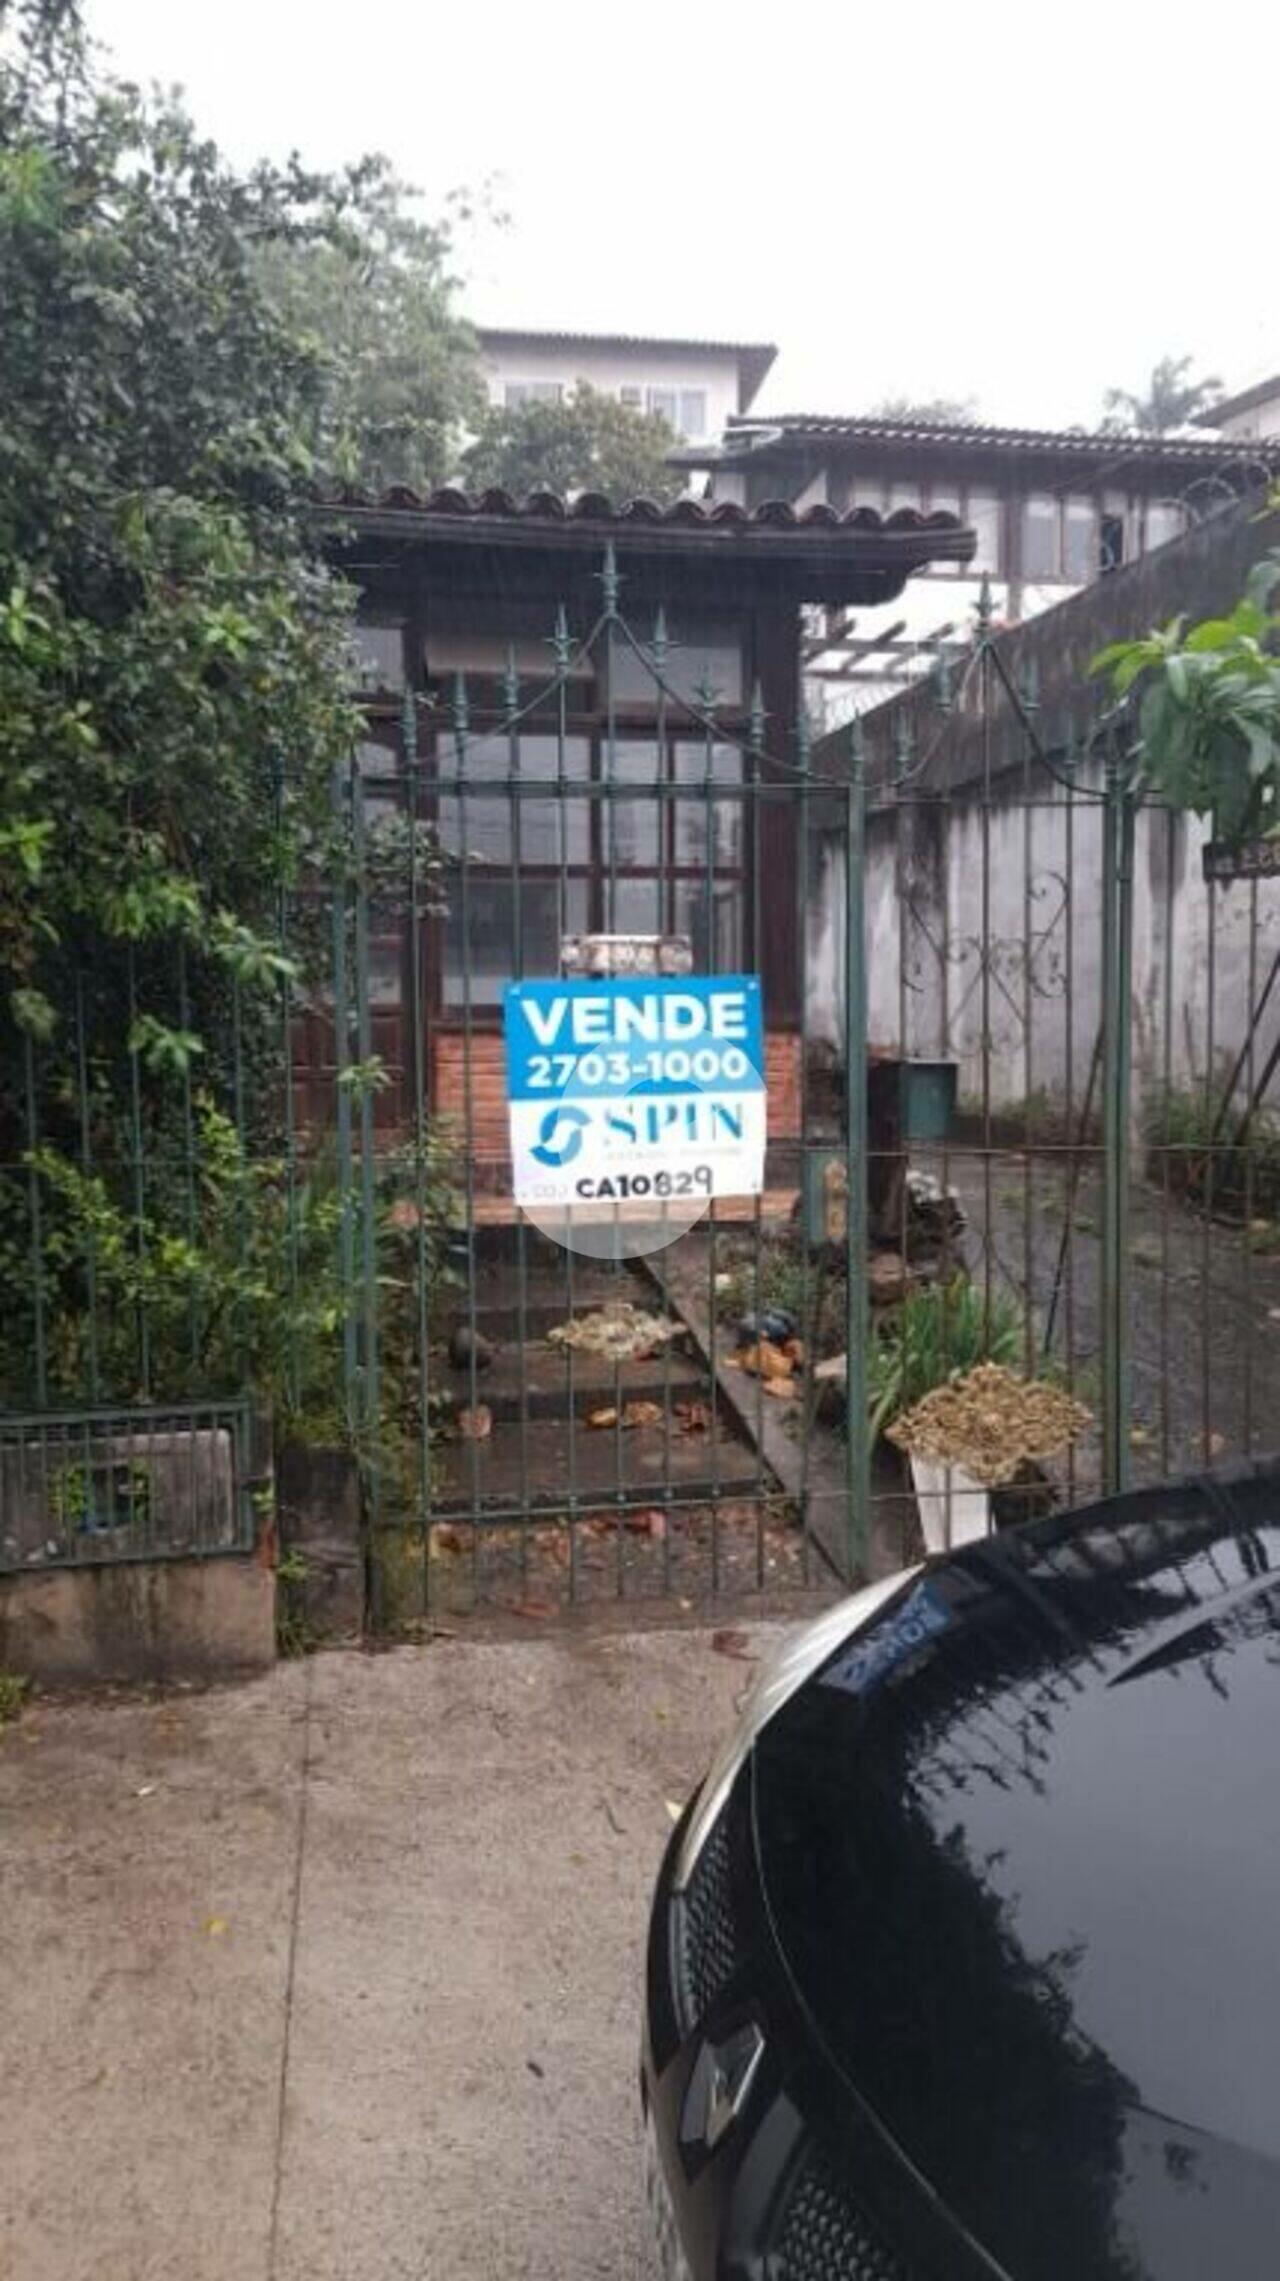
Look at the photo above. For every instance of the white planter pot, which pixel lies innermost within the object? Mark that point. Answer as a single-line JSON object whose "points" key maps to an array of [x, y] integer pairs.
{"points": [[954, 1508]]}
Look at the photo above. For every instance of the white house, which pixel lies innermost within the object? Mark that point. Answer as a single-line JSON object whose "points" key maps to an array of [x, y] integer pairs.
{"points": [[697, 386], [1252, 414]]}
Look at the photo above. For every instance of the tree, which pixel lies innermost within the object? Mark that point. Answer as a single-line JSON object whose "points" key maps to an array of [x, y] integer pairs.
{"points": [[374, 299], [173, 700], [1172, 399], [936, 411], [1208, 713], [585, 442]]}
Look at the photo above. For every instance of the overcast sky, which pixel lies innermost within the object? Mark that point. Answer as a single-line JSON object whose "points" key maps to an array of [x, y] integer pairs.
{"points": [[1019, 203]]}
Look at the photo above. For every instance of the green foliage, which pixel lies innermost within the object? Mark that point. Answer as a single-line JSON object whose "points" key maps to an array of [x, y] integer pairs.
{"points": [[1209, 709], [295, 1634], [938, 1333], [586, 442], [935, 411], [1208, 1155], [14, 1691], [174, 670], [374, 299], [1171, 399], [85, 1497]]}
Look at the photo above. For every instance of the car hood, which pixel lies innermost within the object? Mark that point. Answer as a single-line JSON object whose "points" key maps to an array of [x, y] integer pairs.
{"points": [[1020, 1848]]}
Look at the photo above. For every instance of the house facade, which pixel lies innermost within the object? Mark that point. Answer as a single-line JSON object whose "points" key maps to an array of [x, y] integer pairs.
{"points": [[696, 386], [603, 712], [1052, 512], [1252, 415]]}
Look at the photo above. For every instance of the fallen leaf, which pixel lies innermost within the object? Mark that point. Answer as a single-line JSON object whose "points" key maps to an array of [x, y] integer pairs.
{"points": [[765, 1360], [641, 1413], [736, 1644], [650, 1522], [215, 1927], [673, 1809], [1213, 1444], [606, 1417], [445, 1538], [1138, 1437], [476, 1424], [148, 1790], [694, 1417], [782, 1389], [538, 1610], [794, 1350]]}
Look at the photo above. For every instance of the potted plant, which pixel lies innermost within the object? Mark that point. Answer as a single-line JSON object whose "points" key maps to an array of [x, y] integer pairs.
{"points": [[975, 1433]]}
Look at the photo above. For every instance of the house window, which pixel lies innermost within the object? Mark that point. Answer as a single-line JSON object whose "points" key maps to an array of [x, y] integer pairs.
{"points": [[632, 397], [551, 831], [1080, 547], [1040, 538], [488, 940], [377, 654], [518, 393], [704, 654], [1110, 543], [684, 409], [1166, 519], [982, 514], [663, 852]]}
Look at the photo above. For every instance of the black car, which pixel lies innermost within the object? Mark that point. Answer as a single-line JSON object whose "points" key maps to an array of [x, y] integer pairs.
{"points": [[965, 1960]]}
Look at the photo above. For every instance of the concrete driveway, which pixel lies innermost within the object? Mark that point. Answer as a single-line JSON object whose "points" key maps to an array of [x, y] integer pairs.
{"points": [[335, 1976]]}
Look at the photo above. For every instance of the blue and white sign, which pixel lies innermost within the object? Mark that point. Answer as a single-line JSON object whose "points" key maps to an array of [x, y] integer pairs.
{"points": [[647, 1090]]}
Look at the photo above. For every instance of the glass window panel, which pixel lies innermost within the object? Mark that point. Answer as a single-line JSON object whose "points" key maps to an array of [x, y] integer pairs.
{"points": [[690, 767], [666, 403], [1040, 538], [704, 653], [631, 830], [717, 949], [633, 907], [556, 830], [378, 654], [386, 970], [1166, 519], [631, 396], [378, 768], [983, 516], [522, 392], [1080, 556], [693, 412], [490, 933]]}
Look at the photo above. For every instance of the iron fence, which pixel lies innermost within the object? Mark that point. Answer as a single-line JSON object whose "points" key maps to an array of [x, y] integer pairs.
{"points": [[83, 1488], [982, 908]]}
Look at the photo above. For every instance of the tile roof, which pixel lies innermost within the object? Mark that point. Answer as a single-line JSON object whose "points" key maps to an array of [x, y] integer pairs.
{"points": [[818, 552], [749, 437], [451, 502]]}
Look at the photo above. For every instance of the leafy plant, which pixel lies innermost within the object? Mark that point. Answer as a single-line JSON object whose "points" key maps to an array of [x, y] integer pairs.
{"points": [[586, 442], [13, 1694], [294, 1632], [1209, 709], [937, 1333], [1170, 400]]}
